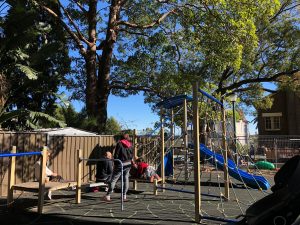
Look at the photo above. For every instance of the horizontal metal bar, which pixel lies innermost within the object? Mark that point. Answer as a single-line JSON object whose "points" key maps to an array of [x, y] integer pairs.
{"points": [[20, 154], [210, 97], [100, 160]]}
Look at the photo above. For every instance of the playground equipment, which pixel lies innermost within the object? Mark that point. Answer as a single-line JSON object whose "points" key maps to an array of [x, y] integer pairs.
{"points": [[36, 187], [265, 165], [42, 185], [219, 160]]}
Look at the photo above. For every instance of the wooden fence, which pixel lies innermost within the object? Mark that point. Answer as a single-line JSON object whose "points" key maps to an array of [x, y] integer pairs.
{"points": [[63, 159]]}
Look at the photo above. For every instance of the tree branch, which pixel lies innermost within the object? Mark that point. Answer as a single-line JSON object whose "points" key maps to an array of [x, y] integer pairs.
{"points": [[225, 75], [256, 80], [127, 86], [82, 38], [133, 32], [250, 88], [77, 40], [138, 26], [80, 6]]}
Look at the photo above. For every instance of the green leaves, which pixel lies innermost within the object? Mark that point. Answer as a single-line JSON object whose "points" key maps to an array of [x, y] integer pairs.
{"points": [[26, 70], [33, 60], [27, 119]]}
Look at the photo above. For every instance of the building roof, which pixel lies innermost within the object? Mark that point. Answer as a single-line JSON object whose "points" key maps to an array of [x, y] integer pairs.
{"points": [[66, 131]]}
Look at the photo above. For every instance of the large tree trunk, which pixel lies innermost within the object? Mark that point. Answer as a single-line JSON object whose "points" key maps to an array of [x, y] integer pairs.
{"points": [[105, 65], [90, 60]]}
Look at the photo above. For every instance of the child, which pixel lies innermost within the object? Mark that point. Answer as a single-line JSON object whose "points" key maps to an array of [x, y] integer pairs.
{"points": [[144, 170], [104, 170]]}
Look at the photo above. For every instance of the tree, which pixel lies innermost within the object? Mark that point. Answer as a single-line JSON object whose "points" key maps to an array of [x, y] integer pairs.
{"points": [[82, 121], [275, 57], [226, 52], [87, 23], [33, 61], [113, 126], [126, 47]]}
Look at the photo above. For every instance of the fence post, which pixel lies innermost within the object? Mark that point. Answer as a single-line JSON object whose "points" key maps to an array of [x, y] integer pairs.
{"points": [[11, 176], [276, 153]]}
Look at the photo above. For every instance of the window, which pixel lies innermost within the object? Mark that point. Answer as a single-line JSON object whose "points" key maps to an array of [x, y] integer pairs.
{"points": [[272, 120], [272, 123]]}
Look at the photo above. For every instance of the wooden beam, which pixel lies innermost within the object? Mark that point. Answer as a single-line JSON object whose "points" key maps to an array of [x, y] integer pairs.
{"points": [[162, 145], [225, 154], [11, 176], [172, 140], [79, 172], [43, 162], [196, 153], [135, 150], [155, 187], [185, 140]]}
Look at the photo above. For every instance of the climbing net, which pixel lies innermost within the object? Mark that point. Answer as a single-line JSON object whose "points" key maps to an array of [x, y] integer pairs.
{"points": [[244, 188]]}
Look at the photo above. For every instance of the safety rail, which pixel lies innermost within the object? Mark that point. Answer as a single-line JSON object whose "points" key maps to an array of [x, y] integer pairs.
{"points": [[11, 174]]}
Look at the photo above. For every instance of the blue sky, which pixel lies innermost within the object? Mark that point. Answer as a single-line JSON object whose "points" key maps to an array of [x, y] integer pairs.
{"points": [[131, 112]]}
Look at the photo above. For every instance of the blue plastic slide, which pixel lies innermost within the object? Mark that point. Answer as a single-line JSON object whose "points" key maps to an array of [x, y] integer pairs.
{"points": [[168, 164], [251, 180]]}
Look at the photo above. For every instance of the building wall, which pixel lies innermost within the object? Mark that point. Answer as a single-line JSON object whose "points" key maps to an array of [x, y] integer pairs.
{"points": [[293, 113], [288, 104]]}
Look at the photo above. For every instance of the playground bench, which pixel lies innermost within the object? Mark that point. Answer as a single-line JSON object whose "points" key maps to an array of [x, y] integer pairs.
{"points": [[34, 186]]}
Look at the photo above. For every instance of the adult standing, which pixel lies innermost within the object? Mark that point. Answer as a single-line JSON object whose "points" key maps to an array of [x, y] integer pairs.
{"points": [[123, 152]]}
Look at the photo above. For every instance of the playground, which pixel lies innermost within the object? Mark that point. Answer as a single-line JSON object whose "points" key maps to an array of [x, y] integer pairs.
{"points": [[218, 189], [193, 105]]}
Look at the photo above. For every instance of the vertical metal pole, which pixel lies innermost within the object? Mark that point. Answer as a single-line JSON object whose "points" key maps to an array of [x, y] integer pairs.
{"points": [[172, 140], [122, 186], [162, 157], [225, 154], [234, 134], [185, 139], [196, 154]]}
